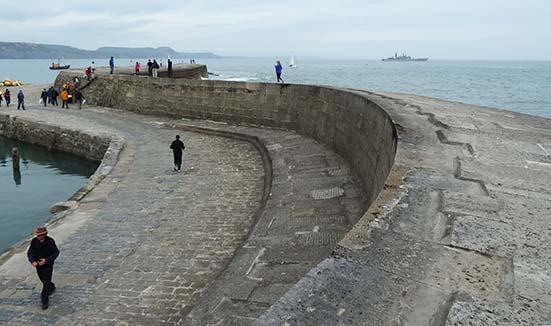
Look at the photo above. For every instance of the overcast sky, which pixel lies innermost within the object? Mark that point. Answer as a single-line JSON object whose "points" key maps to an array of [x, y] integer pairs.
{"points": [[348, 29]]}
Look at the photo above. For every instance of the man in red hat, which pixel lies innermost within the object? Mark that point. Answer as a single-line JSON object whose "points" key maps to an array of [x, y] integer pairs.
{"points": [[42, 253]]}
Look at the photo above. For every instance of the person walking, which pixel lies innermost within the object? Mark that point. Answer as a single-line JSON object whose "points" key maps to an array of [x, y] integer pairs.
{"points": [[7, 97], [278, 70], [41, 254], [55, 94], [79, 98], [155, 68], [64, 99], [137, 68], [21, 100], [1, 98], [44, 96], [112, 64], [49, 94], [177, 147]]}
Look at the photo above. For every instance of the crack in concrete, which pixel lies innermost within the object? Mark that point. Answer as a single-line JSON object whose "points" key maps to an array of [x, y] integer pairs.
{"points": [[457, 175]]}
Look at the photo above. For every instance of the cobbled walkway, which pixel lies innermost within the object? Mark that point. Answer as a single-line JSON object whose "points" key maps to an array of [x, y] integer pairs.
{"points": [[153, 238], [217, 244]]}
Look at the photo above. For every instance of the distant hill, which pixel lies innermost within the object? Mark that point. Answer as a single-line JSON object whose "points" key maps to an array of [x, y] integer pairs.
{"points": [[20, 50]]}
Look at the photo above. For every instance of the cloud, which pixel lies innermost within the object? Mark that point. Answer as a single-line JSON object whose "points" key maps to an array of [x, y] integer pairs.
{"points": [[246, 27]]}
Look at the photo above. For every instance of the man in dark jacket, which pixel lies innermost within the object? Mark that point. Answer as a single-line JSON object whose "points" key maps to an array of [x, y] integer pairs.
{"points": [[177, 147], [42, 254], [169, 68], [55, 94], [79, 98], [44, 96], [20, 100], [149, 68]]}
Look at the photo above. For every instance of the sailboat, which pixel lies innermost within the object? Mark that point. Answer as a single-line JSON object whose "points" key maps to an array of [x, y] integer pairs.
{"points": [[292, 63]]}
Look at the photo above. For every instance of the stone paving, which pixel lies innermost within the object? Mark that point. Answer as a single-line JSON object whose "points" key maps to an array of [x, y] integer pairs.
{"points": [[153, 239], [158, 248]]}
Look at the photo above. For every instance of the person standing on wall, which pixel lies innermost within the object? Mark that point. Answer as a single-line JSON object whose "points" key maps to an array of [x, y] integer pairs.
{"points": [[7, 97], [169, 63], [137, 68], [21, 100], [155, 68], [149, 68], [177, 147], [41, 254], [279, 70], [112, 64]]}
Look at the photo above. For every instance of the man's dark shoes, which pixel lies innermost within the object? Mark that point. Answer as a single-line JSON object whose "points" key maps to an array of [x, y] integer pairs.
{"points": [[44, 305], [52, 291]]}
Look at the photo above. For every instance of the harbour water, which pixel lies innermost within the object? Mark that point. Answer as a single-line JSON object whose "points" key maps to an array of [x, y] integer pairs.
{"points": [[45, 177], [522, 86]]}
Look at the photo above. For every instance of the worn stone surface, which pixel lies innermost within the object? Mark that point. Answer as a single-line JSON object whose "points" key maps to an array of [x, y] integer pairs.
{"points": [[152, 241], [465, 241], [459, 236]]}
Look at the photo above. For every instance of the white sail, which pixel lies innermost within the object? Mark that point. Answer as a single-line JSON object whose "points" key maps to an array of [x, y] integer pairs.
{"points": [[292, 63]]}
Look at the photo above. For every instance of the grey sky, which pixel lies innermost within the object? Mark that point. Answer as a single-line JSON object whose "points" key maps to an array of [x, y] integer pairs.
{"points": [[440, 29]]}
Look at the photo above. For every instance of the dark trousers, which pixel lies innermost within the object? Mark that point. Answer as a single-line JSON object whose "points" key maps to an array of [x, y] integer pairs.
{"points": [[64, 104], [278, 74], [178, 160], [45, 100], [8, 101], [112, 68], [54, 100], [45, 275], [21, 104]]}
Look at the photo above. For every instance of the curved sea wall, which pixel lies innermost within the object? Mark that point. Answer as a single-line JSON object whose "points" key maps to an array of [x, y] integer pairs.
{"points": [[92, 147], [348, 123]]}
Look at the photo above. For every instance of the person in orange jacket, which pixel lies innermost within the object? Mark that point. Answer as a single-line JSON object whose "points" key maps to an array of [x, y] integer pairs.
{"points": [[64, 99]]}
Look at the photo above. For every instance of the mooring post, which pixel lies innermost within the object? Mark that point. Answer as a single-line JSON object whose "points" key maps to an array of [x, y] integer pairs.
{"points": [[15, 158]]}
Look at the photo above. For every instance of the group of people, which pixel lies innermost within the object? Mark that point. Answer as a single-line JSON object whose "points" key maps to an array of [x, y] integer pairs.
{"points": [[7, 97], [49, 96], [153, 67]]}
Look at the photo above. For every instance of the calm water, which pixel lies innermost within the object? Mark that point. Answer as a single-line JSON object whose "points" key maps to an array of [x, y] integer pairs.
{"points": [[513, 85], [45, 179]]}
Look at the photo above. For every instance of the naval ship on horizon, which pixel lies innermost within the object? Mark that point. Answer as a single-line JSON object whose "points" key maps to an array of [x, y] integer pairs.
{"points": [[404, 57]]}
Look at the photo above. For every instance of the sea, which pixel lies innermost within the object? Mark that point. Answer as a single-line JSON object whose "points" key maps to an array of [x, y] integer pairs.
{"points": [[43, 179], [522, 86]]}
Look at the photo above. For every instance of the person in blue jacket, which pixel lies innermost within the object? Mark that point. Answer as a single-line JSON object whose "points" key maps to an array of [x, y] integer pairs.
{"points": [[112, 64], [279, 70]]}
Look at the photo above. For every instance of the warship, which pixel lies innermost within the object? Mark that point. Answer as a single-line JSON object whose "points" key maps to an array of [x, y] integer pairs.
{"points": [[404, 57]]}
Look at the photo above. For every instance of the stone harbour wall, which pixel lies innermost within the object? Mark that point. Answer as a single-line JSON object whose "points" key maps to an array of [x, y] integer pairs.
{"points": [[72, 141], [346, 122]]}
